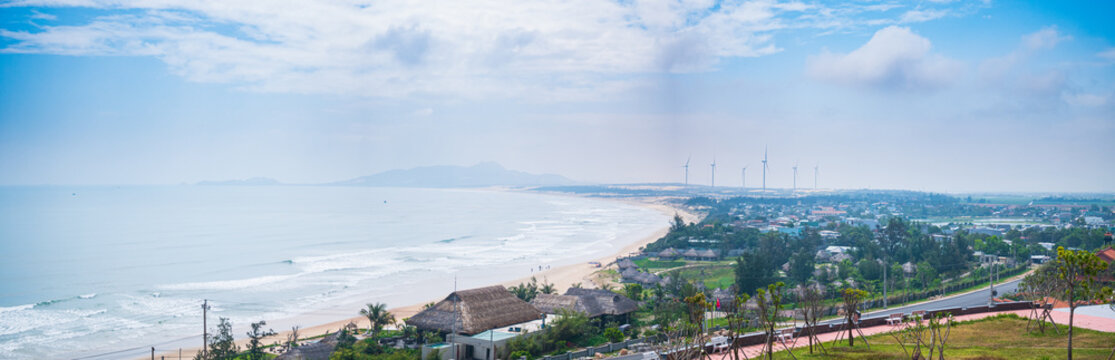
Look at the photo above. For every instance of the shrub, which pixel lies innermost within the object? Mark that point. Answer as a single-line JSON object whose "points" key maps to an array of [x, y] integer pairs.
{"points": [[613, 335]]}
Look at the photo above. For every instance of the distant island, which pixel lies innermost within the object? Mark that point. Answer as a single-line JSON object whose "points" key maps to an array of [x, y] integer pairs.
{"points": [[479, 175]]}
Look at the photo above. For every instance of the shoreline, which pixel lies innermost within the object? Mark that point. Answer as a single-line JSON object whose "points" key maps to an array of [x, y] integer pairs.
{"points": [[562, 277]]}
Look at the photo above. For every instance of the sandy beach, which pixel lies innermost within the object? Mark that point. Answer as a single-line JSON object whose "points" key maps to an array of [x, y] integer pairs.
{"points": [[562, 277]]}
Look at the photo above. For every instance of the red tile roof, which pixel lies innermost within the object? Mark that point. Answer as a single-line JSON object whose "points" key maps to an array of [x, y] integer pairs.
{"points": [[1107, 255]]}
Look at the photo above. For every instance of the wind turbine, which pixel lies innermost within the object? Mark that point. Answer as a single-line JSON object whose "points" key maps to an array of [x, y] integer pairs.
{"points": [[815, 169], [795, 176], [686, 166], [743, 177], [764, 168], [712, 182]]}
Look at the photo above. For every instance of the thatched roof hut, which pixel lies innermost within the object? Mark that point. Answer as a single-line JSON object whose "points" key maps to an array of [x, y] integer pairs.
{"points": [[603, 302], [554, 303], [708, 254], [592, 302], [669, 253], [474, 311]]}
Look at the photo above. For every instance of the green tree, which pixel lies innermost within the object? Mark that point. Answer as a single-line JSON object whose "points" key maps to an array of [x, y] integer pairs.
{"points": [[769, 303], [221, 344], [925, 274], [1077, 272], [852, 298], [633, 291], [547, 288], [753, 271], [526, 291], [377, 316], [255, 340], [678, 225], [802, 264]]}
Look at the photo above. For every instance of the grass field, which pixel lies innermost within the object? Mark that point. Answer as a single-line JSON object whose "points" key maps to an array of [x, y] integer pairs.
{"points": [[655, 265], [713, 276], [1001, 337]]}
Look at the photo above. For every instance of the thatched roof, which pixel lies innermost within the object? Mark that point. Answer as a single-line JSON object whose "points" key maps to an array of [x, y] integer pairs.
{"points": [[592, 302], [603, 302], [625, 264], [690, 253], [669, 252], [475, 310], [553, 303]]}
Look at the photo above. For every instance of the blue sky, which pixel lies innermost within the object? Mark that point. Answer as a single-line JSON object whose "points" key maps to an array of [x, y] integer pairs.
{"points": [[940, 95]]}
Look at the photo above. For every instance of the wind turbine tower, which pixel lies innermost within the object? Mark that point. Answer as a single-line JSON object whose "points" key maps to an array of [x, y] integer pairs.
{"points": [[712, 182], [743, 178], [764, 168], [686, 166], [795, 176], [815, 169]]}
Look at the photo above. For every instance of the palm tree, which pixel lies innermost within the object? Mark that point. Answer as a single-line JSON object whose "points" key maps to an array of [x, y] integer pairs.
{"points": [[547, 288], [377, 317]]}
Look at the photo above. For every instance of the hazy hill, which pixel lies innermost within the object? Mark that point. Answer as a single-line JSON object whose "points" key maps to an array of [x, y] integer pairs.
{"points": [[479, 175]]}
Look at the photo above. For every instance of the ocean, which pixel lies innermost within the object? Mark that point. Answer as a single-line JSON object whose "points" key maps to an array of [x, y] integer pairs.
{"points": [[109, 272]]}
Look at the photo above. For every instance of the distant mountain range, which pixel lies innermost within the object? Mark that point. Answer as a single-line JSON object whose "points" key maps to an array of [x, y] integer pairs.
{"points": [[479, 175]]}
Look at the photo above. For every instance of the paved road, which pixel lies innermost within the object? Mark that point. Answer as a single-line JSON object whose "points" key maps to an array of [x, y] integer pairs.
{"points": [[975, 298]]}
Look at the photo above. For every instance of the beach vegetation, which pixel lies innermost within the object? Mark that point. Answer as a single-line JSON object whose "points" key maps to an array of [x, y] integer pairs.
{"points": [[221, 344], [570, 330], [527, 291], [370, 349], [255, 340], [377, 316], [292, 338], [633, 291]]}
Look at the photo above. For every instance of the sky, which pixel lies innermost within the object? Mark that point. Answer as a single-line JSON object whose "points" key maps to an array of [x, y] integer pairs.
{"points": [[945, 96]]}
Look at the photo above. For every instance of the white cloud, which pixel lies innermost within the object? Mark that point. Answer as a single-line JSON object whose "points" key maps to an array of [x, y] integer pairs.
{"points": [[1108, 54], [35, 14], [995, 69], [1083, 99], [400, 48], [1044, 39], [916, 16], [582, 49], [895, 57], [423, 112]]}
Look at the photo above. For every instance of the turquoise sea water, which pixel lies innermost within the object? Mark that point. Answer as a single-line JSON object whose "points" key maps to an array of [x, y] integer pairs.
{"points": [[93, 270]]}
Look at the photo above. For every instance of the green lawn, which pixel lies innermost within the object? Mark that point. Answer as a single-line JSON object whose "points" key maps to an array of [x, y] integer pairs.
{"points": [[713, 276], [655, 265], [1001, 337]]}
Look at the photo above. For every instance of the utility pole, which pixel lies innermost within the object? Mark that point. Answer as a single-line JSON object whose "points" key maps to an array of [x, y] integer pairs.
{"points": [[152, 353], [885, 284], [205, 328]]}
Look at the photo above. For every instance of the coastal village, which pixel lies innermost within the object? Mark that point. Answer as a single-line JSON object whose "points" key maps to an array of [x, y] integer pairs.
{"points": [[870, 263]]}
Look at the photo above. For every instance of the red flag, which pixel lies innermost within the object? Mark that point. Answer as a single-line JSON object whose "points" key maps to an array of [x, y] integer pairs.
{"points": [[718, 304]]}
